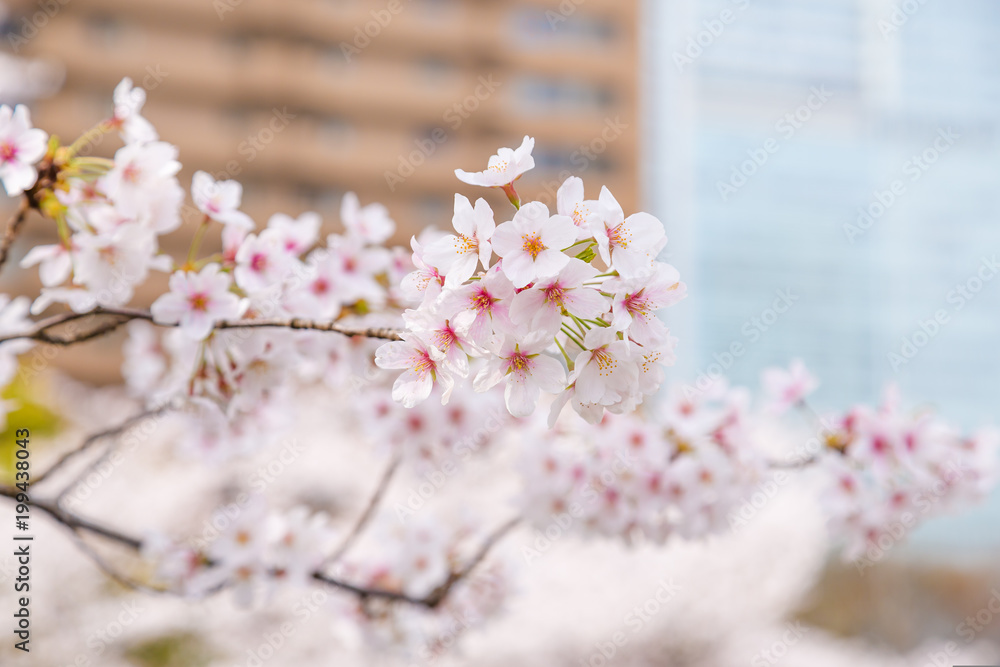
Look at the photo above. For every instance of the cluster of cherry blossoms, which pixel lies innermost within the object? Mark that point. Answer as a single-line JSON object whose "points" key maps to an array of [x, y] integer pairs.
{"points": [[431, 435], [691, 467], [257, 551], [109, 213], [565, 303], [679, 470], [886, 470], [414, 558], [260, 552], [569, 306]]}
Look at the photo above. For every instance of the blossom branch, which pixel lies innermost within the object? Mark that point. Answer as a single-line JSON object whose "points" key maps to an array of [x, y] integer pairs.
{"points": [[119, 316], [76, 524], [435, 597]]}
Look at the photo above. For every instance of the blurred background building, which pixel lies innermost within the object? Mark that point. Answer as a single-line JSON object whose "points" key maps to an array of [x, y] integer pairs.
{"points": [[846, 153], [304, 100]]}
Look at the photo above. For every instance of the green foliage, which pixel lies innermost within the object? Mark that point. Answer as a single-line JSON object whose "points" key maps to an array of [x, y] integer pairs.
{"points": [[30, 413], [176, 650]]}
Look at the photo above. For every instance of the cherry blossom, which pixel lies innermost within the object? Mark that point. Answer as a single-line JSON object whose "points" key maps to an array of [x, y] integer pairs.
{"points": [[504, 168], [540, 307], [444, 333], [261, 261], [424, 366], [488, 299], [425, 281], [297, 235], [370, 224], [570, 202], [21, 146], [54, 263], [13, 320], [531, 244], [786, 388], [636, 301], [457, 255], [630, 244], [128, 100], [196, 301], [142, 187], [219, 200], [525, 369], [111, 263], [604, 373], [359, 264], [317, 288]]}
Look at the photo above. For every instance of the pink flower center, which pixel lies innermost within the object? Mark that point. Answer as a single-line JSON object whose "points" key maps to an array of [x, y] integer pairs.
{"points": [[199, 301], [555, 293], [638, 305], [8, 152], [259, 262], [131, 173], [518, 363], [423, 364], [321, 286], [444, 338], [482, 301], [619, 237]]}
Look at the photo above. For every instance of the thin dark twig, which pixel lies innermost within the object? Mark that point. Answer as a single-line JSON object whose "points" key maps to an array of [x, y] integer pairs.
{"points": [[369, 512], [74, 521], [13, 229], [97, 437], [432, 600], [436, 596], [795, 464], [40, 332], [93, 465], [107, 568]]}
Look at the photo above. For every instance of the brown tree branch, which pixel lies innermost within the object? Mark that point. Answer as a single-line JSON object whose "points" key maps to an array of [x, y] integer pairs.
{"points": [[13, 229], [76, 524], [436, 596], [119, 316], [373, 503], [92, 440]]}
